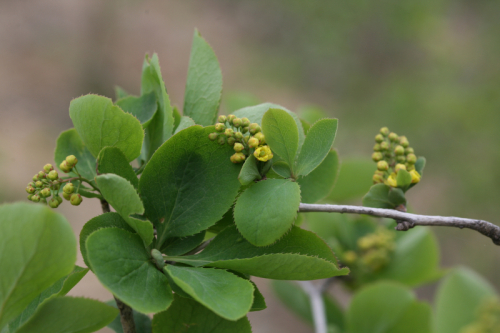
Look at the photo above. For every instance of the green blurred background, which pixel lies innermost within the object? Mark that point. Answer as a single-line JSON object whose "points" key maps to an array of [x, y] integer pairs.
{"points": [[429, 70]]}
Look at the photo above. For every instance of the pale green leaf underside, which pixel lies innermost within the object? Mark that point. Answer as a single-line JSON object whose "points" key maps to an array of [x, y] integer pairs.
{"points": [[282, 134], [267, 210], [70, 143], [101, 124]]}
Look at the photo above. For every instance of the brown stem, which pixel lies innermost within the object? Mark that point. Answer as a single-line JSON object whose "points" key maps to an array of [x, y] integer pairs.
{"points": [[126, 314]]}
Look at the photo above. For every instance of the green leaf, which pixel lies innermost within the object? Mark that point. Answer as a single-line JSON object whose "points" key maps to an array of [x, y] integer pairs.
{"points": [[60, 288], [282, 169], [177, 117], [226, 221], [141, 321], [458, 298], [384, 196], [188, 316], [70, 143], [299, 255], [403, 180], [267, 210], [143, 108], [305, 125], [123, 197], [182, 188], [101, 124], [259, 303], [317, 145], [256, 113], [30, 264], [420, 165], [122, 264], [162, 125], [106, 220], [69, 315], [249, 172], [112, 160], [120, 93], [184, 123], [295, 299], [180, 245], [319, 183], [386, 308], [204, 83], [224, 293], [354, 180], [282, 134]]}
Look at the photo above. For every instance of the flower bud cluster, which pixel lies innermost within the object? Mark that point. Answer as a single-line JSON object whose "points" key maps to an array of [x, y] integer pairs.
{"points": [[47, 183], [374, 250], [487, 318], [246, 138], [393, 153]]}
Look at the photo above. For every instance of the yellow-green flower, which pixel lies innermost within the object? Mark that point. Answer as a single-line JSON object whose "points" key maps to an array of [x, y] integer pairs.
{"points": [[415, 176], [263, 153], [391, 180]]}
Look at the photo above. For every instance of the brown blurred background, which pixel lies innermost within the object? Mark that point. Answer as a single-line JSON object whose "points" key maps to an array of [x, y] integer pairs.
{"points": [[428, 69]]}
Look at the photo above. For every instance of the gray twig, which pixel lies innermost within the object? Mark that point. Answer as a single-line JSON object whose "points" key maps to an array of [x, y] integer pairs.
{"points": [[408, 220], [315, 294]]}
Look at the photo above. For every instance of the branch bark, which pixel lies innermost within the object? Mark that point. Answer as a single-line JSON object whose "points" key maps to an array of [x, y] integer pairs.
{"points": [[315, 294], [407, 220], [126, 313]]}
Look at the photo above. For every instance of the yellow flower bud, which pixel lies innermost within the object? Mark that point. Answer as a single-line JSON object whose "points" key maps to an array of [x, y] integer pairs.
{"points": [[238, 147], [399, 167], [263, 153], [391, 180], [253, 142], [415, 176]]}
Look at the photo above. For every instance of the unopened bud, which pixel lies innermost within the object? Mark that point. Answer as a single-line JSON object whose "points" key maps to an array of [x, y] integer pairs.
{"points": [[47, 168], [240, 157], [410, 167], [41, 175], [30, 196], [222, 119], [158, 258], [403, 141], [391, 180], [236, 122], [415, 176], [253, 128], [53, 203], [69, 188], [377, 156], [382, 166], [253, 142], [229, 132], [220, 127], [238, 135], [399, 150], [35, 198], [376, 147], [238, 147], [350, 257], [45, 193], [379, 138], [30, 189], [53, 175], [38, 184], [59, 199], [35, 177], [401, 158], [230, 118], [64, 167], [245, 122], [221, 140], [67, 196], [384, 145], [409, 150], [244, 129], [377, 178], [384, 131], [411, 158], [260, 136], [213, 136], [231, 141], [393, 137], [399, 167], [76, 199], [71, 160]]}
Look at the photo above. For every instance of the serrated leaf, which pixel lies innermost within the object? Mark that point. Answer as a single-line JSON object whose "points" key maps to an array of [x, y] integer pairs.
{"points": [[180, 245], [458, 298], [259, 303], [112, 160], [184, 123], [60, 288], [386, 307], [182, 188], [384, 196], [282, 134], [122, 196], [101, 124], [30, 264], [106, 220], [282, 169], [143, 108], [403, 180], [70, 143], [141, 321], [120, 93], [267, 210], [69, 315], [317, 145], [162, 125], [299, 255], [249, 172], [319, 183], [204, 83], [354, 180], [121, 263], [226, 294], [189, 316]]}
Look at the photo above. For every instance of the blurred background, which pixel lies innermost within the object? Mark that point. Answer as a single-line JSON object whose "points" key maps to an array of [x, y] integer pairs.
{"points": [[429, 70]]}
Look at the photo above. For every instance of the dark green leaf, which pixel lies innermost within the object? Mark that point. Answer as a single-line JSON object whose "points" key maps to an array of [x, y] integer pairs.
{"points": [[249, 172], [180, 245], [189, 316], [112, 160], [189, 184], [397, 197], [143, 108], [259, 303], [319, 183], [354, 181], [177, 117], [403, 180], [141, 321], [184, 123], [204, 83], [226, 221], [70, 143], [123, 265], [282, 169], [384, 196]]}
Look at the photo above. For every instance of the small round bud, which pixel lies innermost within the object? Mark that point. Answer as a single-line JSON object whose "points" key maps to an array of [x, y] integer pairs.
{"points": [[240, 157], [378, 172], [71, 160], [401, 159], [238, 135], [30, 196], [410, 167], [246, 138], [220, 127], [53, 203], [35, 177], [350, 257], [399, 167], [236, 122], [232, 159], [244, 129], [245, 122], [378, 178], [158, 258], [230, 118], [384, 145], [67, 196], [45, 192], [48, 168], [38, 184], [384, 131], [30, 190], [411, 159], [59, 199], [399, 150], [231, 141], [213, 136], [260, 136], [238, 147], [53, 175], [76, 199], [229, 132], [393, 137], [35, 198], [253, 142], [376, 147], [253, 128], [69, 188], [382, 166], [43, 201], [403, 141], [409, 150], [41, 175], [221, 140], [379, 138], [377, 156], [65, 167], [222, 119]]}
